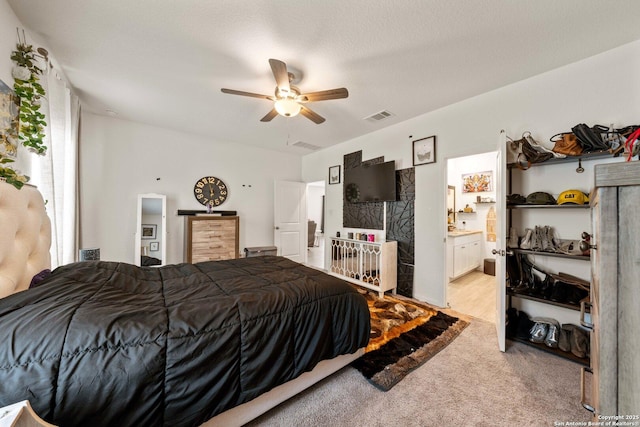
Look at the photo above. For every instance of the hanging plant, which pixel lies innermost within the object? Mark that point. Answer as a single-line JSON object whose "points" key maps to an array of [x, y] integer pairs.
{"points": [[28, 89], [31, 121], [11, 176]]}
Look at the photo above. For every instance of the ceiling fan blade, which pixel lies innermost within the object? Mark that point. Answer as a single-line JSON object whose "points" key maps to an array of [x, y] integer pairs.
{"points": [[270, 115], [324, 95], [311, 115], [253, 95], [279, 70]]}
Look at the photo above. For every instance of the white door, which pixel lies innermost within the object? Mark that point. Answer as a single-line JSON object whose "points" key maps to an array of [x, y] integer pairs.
{"points": [[290, 216], [501, 238]]}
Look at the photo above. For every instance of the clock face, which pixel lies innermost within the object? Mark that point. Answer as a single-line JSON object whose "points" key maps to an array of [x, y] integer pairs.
{"points": [[210, 191], [352, 193]]}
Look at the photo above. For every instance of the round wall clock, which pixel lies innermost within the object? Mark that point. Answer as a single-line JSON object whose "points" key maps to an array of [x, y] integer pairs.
{"points": [[210, 191], [352, 193]]}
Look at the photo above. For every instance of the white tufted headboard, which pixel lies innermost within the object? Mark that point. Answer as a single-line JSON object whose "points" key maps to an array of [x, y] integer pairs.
{"points": [[25, 237]]}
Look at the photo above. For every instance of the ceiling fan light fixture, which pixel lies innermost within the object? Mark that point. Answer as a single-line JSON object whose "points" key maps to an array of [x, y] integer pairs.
{"points": [[287, 99], [287, 107]]}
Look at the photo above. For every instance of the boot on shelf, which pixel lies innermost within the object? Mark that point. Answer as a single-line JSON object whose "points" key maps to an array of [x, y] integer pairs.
{"points": [[526, 240], [513, 238], [546, 239], [580, 342], [536, 240]]}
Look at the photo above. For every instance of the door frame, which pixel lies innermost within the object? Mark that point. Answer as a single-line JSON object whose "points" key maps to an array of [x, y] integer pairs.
{"points": [[499, 187], [302, 226], [323, 208]]}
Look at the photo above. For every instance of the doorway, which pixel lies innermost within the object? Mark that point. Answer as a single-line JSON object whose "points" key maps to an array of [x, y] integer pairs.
{"points": [[471, 235], [315, 215]]}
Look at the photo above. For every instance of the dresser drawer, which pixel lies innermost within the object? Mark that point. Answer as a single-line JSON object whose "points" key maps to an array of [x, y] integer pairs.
{"points": [[204, 232]]}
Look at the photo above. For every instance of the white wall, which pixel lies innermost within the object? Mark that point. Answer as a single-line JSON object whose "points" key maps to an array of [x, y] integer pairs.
{"points": [[602, 89], [121, 159]]}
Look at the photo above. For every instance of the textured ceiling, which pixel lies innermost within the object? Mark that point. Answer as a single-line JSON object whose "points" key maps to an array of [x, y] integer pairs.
{"points": [[163, 62]]}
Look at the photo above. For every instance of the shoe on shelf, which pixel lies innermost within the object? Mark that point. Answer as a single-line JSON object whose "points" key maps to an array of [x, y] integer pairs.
{"points": [[535, 288], [559, 292], [569, 247], [579, 342], [513, 238], [547, 287], [524, 326], [574, 294], [538, 332], [565, 337], [551, 340], [526, 240], [545, 330], [513, 270], [549, 241], [527, 283], [555, 242], [536, 240], [545, 243], [521, 288], [512, 322]]}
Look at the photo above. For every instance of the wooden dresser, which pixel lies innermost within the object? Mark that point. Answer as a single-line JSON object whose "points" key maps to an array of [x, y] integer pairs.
{"points": [[615, 294], [211, 238]]}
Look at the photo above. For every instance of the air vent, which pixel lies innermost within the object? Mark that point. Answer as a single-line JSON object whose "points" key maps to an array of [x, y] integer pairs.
{"points": [[306, 145], [381, 115]]}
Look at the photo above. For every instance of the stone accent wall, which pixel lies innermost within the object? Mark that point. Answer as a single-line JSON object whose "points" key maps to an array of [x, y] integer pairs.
{"points": [[400, 227], [400, 218]]}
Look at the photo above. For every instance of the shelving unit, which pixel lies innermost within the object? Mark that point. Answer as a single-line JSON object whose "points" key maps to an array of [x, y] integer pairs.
{"points": [[510, 293], [557, 352], [547, 206], [529, 214], [550, 254], [569, 159]]}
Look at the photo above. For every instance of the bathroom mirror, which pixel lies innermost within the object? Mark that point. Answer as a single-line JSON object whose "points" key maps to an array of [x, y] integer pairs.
{"points": [[151, 230]]}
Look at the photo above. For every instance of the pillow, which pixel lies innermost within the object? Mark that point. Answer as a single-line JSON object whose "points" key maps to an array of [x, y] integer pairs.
{"points": [[147, 261], [39, 278]]}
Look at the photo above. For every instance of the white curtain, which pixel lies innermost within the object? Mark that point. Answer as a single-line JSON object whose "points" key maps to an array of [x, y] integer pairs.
{"points": [[56, 173]]}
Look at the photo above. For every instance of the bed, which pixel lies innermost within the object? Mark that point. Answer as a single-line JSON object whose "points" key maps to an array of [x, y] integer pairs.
{"points": [[216, 343]]}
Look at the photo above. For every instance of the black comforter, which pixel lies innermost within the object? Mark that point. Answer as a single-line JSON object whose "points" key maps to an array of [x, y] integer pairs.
{"points": [[105, 344]]}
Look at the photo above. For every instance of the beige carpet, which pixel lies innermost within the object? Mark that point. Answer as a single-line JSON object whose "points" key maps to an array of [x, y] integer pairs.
{"points": [[469, 383]]}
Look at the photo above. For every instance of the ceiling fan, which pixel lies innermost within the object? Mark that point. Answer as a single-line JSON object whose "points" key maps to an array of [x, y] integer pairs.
{"points": [[287, 100]]}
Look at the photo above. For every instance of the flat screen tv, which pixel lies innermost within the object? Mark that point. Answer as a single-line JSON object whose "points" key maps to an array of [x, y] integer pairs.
{"points": [[371, 183]]}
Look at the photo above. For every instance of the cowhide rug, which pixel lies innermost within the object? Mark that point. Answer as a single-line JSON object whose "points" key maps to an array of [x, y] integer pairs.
{"points": [[405, 333]]}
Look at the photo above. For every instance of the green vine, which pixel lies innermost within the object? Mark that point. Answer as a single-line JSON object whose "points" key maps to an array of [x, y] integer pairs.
{"points": [[11, 176], [31, 123], [30, 92]]}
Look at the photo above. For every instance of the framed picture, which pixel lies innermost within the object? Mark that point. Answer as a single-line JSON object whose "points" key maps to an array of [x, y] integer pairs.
{"points": [[154, 246], [149, 231], [477, 182], [334, 174], [424, 151]]}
